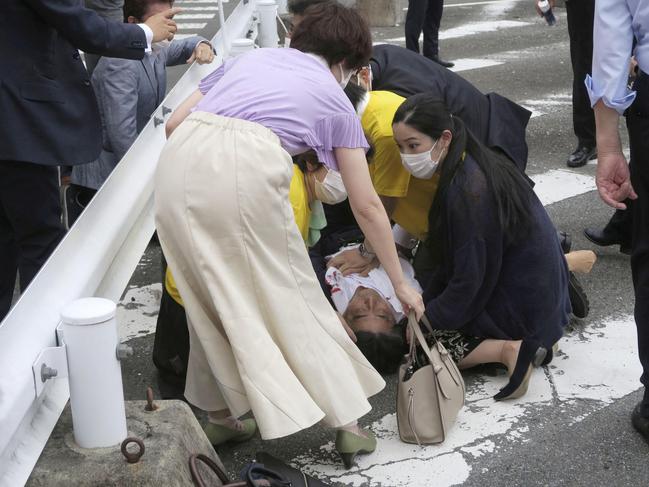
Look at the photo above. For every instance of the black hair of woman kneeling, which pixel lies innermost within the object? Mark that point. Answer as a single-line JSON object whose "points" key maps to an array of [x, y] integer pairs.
{"points": [[499, 272]]}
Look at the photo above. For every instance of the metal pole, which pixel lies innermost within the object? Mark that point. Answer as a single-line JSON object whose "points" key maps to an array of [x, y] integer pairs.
{"points": [[96, 393], [224, 37], [267, 23]]}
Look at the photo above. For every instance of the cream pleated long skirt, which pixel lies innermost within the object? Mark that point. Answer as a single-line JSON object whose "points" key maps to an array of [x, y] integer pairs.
{"points": [[262, 334]]}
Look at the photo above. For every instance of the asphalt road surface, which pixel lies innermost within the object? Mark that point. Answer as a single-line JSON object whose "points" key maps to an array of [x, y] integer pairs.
{"points": [[572, 427]]}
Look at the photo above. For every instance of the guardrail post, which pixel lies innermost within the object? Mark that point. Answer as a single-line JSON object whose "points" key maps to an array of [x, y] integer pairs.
{"points": [[239, 46], [96, 394], [267, 23]]}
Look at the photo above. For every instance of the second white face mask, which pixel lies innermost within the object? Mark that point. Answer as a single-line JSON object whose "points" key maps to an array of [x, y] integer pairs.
{"points": [[344, 79], [420, 165], [331, 190]]}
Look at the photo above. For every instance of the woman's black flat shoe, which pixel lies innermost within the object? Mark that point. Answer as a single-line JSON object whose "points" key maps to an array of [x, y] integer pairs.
{"points": [[520, 378]]}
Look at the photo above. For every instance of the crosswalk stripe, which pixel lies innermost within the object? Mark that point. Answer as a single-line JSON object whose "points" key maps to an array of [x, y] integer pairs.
{"points": [[542, 106], [468, 64], [191, 25], [471, 4], [192, 16], [471, 29], [198, 9], [559, 184]]}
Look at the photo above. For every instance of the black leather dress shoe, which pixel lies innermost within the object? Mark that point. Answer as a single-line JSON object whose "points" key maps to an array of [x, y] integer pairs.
{"points": [[604, 238], [578, 298], [441, 62], [581, 156], [640, 422]]}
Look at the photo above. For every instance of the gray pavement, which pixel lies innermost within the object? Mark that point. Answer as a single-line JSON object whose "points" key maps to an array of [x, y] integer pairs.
{"points": [[573, 426]]}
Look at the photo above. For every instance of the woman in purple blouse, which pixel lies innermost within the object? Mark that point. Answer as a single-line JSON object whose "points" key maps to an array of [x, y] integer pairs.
{"points": [[263, 336]]}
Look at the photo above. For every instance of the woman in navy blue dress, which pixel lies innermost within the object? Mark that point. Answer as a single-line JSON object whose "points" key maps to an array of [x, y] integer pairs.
{"points": [[500, 278]]}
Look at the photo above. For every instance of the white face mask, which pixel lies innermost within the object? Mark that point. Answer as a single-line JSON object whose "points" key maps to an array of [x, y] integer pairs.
{"points": [[344, 79], [331, 190], [421, 165], [287, 41]]}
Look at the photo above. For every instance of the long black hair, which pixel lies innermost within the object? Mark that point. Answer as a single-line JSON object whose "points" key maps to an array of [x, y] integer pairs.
{"points": [[511, 192]]}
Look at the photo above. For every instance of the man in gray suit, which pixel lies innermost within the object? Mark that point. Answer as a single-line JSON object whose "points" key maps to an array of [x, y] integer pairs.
{"points": [[128, 92]]}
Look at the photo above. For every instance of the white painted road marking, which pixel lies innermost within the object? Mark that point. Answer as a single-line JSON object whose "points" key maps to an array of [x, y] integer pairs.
{"points": [[471, 4], [560, 184], [192, 16], [472, 29], [599, 364], [190, 25], [467, 64]]}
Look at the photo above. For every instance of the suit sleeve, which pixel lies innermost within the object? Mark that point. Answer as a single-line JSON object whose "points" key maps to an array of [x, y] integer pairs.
{"points": [[181, 50], [88, 31], [119, 106]]}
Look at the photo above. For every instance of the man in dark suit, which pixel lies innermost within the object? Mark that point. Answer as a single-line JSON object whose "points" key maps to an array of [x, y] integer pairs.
{"points": [[497, 121], [426, 16], [49, 116]]}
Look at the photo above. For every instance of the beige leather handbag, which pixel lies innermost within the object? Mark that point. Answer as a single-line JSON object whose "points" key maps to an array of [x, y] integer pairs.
{"points": [[430, 392]]}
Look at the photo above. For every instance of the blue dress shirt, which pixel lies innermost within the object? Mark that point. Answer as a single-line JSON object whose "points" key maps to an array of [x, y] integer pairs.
{"points": [[617, 22]]}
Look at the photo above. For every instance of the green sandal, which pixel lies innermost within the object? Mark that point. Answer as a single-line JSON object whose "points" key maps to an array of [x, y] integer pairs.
{"points": [[348, 445], [219, 434]]}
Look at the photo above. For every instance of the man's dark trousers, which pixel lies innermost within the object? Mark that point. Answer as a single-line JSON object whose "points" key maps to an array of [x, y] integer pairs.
{"points": [[30, 223], [638, 126], [581, 15], [424, 15]]}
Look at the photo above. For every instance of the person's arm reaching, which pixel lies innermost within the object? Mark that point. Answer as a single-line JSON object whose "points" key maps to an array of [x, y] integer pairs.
{"points": [[374, 223], [182, 112], [186, 51], [85, 29]]}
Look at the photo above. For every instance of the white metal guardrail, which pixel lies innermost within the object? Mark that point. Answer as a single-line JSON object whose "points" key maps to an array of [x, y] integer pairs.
{"points": [[96, 258]]}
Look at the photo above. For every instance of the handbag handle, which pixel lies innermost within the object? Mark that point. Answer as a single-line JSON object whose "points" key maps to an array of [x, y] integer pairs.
{"points": [[414, 325], [212, 465]]}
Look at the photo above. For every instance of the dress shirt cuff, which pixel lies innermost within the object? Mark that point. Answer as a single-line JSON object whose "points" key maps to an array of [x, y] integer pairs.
{"points": [[597, 93], [403, 238], [149, 36]]}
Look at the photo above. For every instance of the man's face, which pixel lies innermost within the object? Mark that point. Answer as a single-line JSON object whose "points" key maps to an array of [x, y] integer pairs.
{"points": [[368, 311], [156, 8], [152, 9]]}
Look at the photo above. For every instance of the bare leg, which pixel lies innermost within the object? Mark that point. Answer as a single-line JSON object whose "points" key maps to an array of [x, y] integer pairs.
{"points": [[493, 351], [223, 427], [581, 261], [224, 418]]}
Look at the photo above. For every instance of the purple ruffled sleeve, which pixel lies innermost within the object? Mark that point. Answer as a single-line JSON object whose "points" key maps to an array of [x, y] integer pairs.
{"points": [[340, 130]]}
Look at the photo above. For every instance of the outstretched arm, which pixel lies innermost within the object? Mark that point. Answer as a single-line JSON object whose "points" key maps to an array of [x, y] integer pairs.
{"points": [[182, 112]]}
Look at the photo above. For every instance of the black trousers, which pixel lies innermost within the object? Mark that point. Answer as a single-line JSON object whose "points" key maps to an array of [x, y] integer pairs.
{"points": [[621, 223], [424, 15], [30, 223], [581, 15], [638, 127]]}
